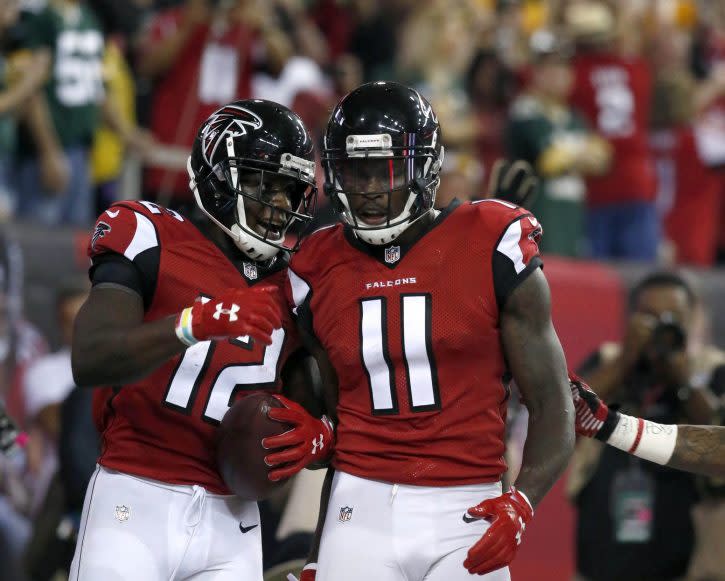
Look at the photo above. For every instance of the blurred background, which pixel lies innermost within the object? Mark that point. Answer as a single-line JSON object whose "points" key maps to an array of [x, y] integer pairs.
{"points": [[619, 105]]}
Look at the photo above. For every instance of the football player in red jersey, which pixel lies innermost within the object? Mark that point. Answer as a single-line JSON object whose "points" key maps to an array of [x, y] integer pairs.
{"points": [[419, 319], [183, 318]]}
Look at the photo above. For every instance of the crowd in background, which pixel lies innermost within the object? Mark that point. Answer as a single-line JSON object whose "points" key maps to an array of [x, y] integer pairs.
{"points": [[619, 105], [100, 101]]}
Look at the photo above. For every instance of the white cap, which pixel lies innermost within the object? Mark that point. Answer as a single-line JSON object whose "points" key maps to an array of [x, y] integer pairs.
{"points": [[48, 381]]}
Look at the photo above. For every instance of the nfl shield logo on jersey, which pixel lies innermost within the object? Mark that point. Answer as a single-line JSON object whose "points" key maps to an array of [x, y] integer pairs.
{"points": [[122, 513], [250, 271], [392, 254], [345, 514]]}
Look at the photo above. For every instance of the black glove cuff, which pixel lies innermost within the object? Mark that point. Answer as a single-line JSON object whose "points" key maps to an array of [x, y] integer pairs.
{"points": [[609, 425]]}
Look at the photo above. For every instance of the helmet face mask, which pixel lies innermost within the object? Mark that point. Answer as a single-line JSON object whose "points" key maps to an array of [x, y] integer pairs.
{"points": [[382, 182], [381, 193], [254, 183], [266, 203]]}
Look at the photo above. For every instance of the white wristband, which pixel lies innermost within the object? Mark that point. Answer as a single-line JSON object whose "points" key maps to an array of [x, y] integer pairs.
{"points": [[644, 439]]}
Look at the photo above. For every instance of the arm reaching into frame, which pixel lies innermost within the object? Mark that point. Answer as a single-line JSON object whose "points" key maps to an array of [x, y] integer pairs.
{"points": [[697, 449]]}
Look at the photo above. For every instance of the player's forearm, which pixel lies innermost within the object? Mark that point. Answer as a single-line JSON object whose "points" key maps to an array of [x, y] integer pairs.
{"points": [[112, 357], [537, 363], [549, 446], [700, 449]]}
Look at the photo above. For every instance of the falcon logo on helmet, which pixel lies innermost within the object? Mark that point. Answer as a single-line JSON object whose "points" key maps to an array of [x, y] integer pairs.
{"points": [[229, 121]]}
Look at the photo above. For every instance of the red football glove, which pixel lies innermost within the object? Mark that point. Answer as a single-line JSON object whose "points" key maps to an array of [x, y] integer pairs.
{"points": [[309, 440], [308, 573], [593, 418], [238, 312], [508, 515]]}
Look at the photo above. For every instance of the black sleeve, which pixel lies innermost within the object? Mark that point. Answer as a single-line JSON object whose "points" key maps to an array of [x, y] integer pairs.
{"points": [[304, 317], [506, 279], [139, 275]]}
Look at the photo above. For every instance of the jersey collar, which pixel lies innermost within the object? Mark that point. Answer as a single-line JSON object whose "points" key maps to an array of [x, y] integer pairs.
{"points": [[392, 254]]}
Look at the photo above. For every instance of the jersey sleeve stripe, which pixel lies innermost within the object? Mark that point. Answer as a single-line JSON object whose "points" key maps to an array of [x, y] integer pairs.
{"points": [[143, 238], [300, 289], [509, 246]]}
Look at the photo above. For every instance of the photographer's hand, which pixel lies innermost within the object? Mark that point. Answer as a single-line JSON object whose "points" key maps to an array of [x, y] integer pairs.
{"points": [[610, 375], [636, 339], [674, 370]]}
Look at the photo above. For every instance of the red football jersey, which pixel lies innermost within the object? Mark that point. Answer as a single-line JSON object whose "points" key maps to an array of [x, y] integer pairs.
{"points": [[413, 334], [614, 94], [163, 426], [689, 195]]}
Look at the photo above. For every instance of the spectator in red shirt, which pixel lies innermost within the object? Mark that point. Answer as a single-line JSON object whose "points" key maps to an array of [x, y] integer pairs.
{"points": [[689, 188], [614, 92], [199, 55]]}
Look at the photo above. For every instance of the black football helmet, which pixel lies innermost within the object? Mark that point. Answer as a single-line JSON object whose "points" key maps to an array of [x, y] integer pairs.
{"points": [[252, 150], [382, 138]]}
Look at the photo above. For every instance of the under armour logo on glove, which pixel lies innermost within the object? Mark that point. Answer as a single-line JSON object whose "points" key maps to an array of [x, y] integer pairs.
{"points": [[522, 528], [231, 312], [318, 443], [309, 440], [508, 515], [240, 312]]}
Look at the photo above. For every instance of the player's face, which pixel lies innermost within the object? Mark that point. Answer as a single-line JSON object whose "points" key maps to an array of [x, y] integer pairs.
{"points": [[265, 194], [375, 187]]}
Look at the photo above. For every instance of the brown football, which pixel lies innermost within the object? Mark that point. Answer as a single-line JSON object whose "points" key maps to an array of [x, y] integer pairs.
{"points": [[240, 454]]}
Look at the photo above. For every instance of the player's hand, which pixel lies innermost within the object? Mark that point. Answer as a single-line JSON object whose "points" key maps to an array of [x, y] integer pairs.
{"points": [[508, 515], [593, 418], [514, 181], [255, 312], [637, 337], [309, 440]]}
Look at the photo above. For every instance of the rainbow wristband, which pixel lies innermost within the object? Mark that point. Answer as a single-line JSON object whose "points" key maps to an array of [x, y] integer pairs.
{"points": [[183, 328]]}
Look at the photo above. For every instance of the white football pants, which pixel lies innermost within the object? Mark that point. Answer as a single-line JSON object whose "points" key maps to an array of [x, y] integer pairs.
{"points": [[396, 532], [138, 529]]}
